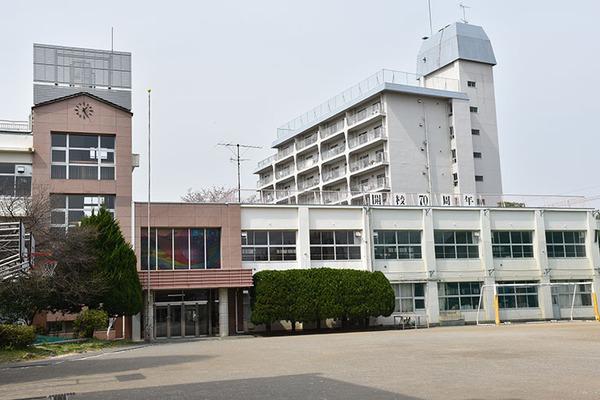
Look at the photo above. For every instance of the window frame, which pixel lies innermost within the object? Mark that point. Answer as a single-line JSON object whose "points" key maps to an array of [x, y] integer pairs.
{"points": [[445, 293], [512, 292], [380, 246], [100, 164], [443, 248], [87, 209], [334, 246], [400, 298], [578, 247], [15, 175], [154, 233], [499, 246], [269, 246]]}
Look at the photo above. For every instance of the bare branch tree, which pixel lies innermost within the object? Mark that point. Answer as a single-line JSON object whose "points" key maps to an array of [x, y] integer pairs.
{"points": [[215, 194]]}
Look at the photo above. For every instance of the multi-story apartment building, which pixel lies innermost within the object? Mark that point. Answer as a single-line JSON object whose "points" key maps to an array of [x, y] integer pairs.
{"points": [[432, 133]]}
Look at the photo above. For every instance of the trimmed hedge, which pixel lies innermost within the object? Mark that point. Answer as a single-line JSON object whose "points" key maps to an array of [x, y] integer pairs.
{"points": [[16, 336], [316, 294], [88, 321]]}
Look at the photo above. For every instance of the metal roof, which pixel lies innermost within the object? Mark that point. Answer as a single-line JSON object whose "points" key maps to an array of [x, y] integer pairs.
{"points": [[458, 41]]}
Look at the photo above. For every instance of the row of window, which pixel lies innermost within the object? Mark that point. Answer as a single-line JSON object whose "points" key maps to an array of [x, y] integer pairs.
{"points": [[465, 296], [406, 244], [181, 248], [68, 210]]}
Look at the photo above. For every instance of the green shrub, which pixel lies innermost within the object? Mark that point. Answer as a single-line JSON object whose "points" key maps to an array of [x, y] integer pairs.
{"points": [[319, 293], [88, 321], [16, 336]]}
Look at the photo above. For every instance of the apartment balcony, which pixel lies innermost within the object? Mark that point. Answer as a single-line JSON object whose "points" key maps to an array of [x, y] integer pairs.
{"points": [[282, 155], [334, 174], [283, 173], [307, 163], [329, 154], [306, 142], [370, 137], [308, 183], [283, 193], [334, 197], [264, 181], [267, 162], [369, 162], [332, 129], [364, 114], [371, 186]]}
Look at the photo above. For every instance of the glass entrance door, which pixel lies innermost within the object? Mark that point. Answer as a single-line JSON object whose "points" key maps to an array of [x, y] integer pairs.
{"points": [[175, 320], [191, 320], [160, 321]]}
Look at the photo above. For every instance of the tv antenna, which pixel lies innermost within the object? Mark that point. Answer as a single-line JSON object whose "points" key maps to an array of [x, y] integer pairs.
{"points": [[430, 23], [235, 149], [464, 12]]}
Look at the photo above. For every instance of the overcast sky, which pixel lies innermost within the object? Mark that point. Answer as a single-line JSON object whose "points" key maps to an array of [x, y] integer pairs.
{"points": [[233, 71]]}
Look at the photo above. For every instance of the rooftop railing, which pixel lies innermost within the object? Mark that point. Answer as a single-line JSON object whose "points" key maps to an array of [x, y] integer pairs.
{"points": [[15, 126], [361, 90]]}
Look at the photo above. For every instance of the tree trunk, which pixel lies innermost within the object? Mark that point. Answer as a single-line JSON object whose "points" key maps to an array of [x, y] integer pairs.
{"points": [[268, 326], [293, 326], [319, 324]]}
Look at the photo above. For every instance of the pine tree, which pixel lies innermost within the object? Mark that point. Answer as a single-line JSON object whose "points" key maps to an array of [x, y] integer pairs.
{"points": [[117, 260]]}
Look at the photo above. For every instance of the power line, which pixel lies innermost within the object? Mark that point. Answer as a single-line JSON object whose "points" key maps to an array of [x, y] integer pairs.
{"points": [[238, 159]]}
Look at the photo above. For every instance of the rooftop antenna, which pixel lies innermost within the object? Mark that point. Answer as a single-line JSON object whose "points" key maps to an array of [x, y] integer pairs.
{"points": [[430, 23], [235, 149], [464, 12], [112, 35]]}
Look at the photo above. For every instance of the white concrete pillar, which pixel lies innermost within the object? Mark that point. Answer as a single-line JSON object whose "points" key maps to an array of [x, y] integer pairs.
{"points": [[223, 312], [303, 241], [541, 257], [432, 302], [487, 265], [366, 247]]}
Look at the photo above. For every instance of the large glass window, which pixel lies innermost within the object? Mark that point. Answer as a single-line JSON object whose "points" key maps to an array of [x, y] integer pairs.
{"points": [[409, 297], [334, 245], [397, 245], [80, 156], [565, 244], [68, 209], [15, 180], [582, 292], [181, 248], [459, 295], [512, 244], [455, 244], [268, 245], [515, 296]]}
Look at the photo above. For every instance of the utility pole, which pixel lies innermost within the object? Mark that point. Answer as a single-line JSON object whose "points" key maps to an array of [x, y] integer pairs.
{"points": [[238, 159], [148, 333]]}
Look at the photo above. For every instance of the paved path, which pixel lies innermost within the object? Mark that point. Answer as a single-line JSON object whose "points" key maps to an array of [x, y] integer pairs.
{"points": [[544, 361]]}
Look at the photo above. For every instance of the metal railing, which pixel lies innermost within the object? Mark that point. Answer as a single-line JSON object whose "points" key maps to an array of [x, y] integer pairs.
{"points": [[284, 153], [307, 141], [332, 174], [330, 129], [364, 113], [362, 90], [15, 126], [264, 181], [369, 136], [307, 163], [267, 161], [282, 173], [308, 183], [374, 184], [333, 152], [370, 161]]}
